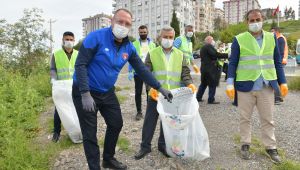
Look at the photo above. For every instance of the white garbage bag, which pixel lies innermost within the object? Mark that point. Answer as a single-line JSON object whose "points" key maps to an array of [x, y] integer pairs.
{"points": [[62, 97], [184, 131]]}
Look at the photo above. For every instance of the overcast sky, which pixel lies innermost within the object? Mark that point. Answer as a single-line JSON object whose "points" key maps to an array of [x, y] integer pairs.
{"points": [[68, 13]]}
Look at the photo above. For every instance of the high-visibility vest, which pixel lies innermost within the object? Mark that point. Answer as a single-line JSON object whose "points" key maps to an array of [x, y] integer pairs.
{"points": [[187, 49], [167, 72], [64, 66], [254, 60], [286, 49], [137, 46]]}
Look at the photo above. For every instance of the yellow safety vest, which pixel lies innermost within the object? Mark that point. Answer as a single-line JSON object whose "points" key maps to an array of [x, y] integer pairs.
{"points": [[64, 66], [187, 49]]}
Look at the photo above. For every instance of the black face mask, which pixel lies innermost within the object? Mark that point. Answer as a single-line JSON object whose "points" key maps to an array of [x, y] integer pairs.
{"points": [[143, 37]]}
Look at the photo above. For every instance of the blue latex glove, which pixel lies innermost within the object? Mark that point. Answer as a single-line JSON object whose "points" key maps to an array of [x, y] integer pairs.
{"points": [[130, 76]]}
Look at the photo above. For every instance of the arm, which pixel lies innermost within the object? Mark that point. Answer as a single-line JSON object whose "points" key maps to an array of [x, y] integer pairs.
{"points": [[278, 65], [214, 55], [233, 61], [185, 74], [281, 44], [53, 71], [142, 71], [86, 53]]}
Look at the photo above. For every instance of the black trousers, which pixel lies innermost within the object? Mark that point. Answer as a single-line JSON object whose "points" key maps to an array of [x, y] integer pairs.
{"points": [[138, 93], [57, 122], [109, 107], [149, 126], [211, 92]]}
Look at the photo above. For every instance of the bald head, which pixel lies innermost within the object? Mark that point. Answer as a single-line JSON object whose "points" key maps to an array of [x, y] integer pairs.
{"points": [[122, 17]]}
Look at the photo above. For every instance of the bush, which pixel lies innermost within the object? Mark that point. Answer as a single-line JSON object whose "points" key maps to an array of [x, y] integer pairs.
{"points": [[294, 84], [21, 101]]}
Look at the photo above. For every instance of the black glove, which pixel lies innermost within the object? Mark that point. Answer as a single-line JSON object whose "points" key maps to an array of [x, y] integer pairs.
{"points": [[168, 95], [88, 103]]}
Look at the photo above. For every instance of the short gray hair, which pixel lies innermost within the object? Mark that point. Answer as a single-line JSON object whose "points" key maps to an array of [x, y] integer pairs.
{"points": [[167, 29]]}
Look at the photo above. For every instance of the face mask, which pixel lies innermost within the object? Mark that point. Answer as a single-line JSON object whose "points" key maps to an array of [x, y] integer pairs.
{"points": [[255, 27], [143, 37], [68, 44], [189, 34], [166, 43], [120, 31]]}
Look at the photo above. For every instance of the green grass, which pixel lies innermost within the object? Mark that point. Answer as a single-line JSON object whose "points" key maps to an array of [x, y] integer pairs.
{"points": [[126, 88], [123, 143], [294, 83], [118, 88], [258, 148]]}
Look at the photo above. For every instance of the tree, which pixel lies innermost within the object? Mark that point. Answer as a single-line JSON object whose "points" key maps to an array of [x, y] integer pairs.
{"points": [[25, 41], [175, 24]]}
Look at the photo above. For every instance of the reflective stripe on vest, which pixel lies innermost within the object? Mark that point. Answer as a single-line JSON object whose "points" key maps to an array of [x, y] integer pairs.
{"points": [[64, 66], [187, 49], [167, 72], [255, 61]]}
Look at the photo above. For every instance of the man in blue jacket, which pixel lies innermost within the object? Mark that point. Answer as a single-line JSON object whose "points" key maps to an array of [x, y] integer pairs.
{"points": [[255, 63], [101, 57]]}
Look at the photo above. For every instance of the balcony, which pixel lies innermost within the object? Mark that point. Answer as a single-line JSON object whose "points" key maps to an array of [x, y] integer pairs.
{"points": [[114, 5]]}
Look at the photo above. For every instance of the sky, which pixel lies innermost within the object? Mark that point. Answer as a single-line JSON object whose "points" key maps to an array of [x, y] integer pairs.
{"points": [[69, 13]]}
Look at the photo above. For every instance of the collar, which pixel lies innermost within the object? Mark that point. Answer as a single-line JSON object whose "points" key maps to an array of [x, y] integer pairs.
{"points": [[165, 52], [148, 39]]}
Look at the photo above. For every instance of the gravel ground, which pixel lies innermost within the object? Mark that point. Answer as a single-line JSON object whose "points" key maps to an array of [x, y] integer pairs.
{"points": [[221, 122]]}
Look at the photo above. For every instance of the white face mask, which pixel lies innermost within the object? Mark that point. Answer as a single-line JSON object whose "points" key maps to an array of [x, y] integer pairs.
{"points": [[166, 43], [189, 34], [68, 44], [255, 27], [120, 31]]}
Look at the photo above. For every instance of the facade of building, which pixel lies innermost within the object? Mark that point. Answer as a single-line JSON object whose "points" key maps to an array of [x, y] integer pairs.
{"points": [[299, 11], [157, 13], [219, 13], [235, 10], [96, 22], [204, 15]]}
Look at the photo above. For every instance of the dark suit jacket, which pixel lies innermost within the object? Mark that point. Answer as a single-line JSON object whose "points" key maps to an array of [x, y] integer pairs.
{"points": [[210, 71]]}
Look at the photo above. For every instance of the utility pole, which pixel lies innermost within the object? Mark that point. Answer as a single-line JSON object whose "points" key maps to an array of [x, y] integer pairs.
{"points": [[50, 34]]}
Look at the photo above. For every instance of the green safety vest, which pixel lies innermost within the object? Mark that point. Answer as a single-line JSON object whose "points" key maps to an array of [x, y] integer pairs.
{"points": [[64, 66], [137, 45], [255, 61], [187, 49], [168, 73]]}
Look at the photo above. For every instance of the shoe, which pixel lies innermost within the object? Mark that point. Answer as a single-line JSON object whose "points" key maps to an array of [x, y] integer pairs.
{"points": [[200, 100], [55, 137], [164, 152], [113, 164], [234, 104], [245, 152], [277, 102], [139, 116], [214, 102], [273, 154], [141, 154]]}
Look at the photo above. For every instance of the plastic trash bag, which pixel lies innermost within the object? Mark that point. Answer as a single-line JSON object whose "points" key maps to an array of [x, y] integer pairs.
{"points": [[62, 97], [184, 131]]}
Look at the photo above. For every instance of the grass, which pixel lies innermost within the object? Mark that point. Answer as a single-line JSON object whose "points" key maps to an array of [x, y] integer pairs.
{"points": [[118, 88], [126, 88], [123, 143], [294, 83], [258, 148]]}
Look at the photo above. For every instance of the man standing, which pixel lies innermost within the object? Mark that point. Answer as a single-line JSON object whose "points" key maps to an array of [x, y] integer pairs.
{"points": [[62, 68], [283, 51], [256, 65], [101, 57], [142, 45], [184, 43], [169, 67], [210, 70]]}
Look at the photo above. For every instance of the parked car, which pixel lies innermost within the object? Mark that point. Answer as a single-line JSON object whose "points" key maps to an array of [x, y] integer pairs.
{"points": [[298, 59]]}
